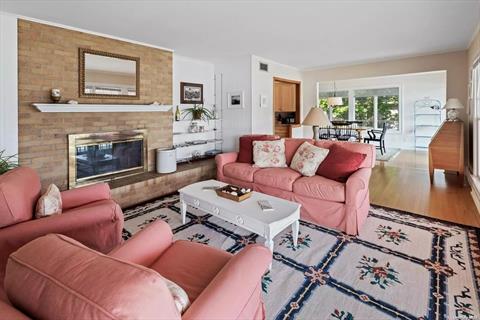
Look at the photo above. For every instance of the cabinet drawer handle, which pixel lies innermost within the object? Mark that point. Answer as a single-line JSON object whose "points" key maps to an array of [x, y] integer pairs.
{"points": [[239, 219]]}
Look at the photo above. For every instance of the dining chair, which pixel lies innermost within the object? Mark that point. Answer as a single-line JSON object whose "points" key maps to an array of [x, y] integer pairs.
{"points": [[346, 133], [377, 136]]}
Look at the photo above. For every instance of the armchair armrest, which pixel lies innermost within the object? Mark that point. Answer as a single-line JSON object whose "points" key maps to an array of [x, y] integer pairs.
{"points": [[223, 159], [98, 226], [228, 293], [80, 196], [147, 245]]}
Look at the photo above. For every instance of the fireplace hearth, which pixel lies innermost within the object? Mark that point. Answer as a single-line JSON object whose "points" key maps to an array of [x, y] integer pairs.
{"points": [[95, 157]]}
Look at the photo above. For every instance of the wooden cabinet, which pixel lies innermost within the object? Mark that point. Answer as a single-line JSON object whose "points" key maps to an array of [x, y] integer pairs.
{"points": [[286, 106], [285, 96], [446, 149]]}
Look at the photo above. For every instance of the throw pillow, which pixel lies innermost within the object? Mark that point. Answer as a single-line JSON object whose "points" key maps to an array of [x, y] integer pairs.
{"points": [[180, 296], [245, 151], [307, 158], [340, 163], [49, 203], [269, 154]]}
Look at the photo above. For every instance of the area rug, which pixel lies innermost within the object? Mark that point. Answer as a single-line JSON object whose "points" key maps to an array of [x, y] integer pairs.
{"points": [[387, 156], [402, 266]]}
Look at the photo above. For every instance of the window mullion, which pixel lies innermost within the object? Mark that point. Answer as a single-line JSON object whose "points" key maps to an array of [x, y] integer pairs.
{"points": [[351, 105]]}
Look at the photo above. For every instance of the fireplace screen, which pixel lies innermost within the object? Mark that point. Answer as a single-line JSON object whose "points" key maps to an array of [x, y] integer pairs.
{"points": [[105, 156]]}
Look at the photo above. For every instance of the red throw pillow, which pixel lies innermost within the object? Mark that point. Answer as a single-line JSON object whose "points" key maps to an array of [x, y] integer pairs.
{"points": [[245, 152], [340, 163]]}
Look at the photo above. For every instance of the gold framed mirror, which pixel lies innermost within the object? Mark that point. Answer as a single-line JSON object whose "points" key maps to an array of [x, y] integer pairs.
{"points": [[108, 75]]}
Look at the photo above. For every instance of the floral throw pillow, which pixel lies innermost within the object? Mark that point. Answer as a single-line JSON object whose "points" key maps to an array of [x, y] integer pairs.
{"points": [[180, 297], [269, 154], [308, 158], [49, 203]]}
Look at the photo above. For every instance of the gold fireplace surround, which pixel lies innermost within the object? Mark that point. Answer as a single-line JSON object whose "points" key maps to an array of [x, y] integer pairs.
{"points": [[109, 140]]}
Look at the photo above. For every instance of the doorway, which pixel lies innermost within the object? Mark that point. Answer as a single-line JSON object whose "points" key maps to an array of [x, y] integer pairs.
{"points": [[286, 106]]}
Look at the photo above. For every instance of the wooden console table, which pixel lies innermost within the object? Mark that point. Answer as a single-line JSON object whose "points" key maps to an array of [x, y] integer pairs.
{"points": [[445, 151]]}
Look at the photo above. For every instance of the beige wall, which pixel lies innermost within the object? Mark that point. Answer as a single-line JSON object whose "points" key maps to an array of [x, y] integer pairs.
{"points": [[454, 63], [48, 58]]}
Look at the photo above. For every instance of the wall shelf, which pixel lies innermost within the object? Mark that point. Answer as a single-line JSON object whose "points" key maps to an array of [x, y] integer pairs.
{"points": [[65, 107]]}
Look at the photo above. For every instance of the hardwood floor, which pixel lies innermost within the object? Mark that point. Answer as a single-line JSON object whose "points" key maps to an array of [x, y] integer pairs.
{"points": [[403, 183]]}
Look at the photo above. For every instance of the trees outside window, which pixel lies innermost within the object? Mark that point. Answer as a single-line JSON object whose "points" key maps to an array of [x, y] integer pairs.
{"points": [[337, 112], [374, 107], [389, 112]]}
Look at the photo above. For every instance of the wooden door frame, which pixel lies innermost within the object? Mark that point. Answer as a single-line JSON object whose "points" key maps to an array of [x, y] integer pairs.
{"points": [[298, 87]]}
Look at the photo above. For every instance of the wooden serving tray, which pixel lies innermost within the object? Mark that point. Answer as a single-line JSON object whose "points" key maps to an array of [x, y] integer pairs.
{"points": [[238, 198]]}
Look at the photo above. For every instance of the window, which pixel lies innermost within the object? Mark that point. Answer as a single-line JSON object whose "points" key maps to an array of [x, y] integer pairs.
{"points": [[377, 107], [374, 107], [335, 112]]}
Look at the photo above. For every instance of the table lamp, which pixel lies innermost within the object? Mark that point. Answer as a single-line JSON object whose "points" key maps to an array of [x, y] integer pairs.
{"points": [[452, 105], [316, 117]]}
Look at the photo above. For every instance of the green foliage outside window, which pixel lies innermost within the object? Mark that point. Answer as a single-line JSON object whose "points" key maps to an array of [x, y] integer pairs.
{"points": [[388, 110], [338, 112], [387, 107]]}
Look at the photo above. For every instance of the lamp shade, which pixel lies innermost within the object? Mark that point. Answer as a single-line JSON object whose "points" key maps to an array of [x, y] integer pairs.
{"points": [[453, 103], [334, 101], [316, 117]]}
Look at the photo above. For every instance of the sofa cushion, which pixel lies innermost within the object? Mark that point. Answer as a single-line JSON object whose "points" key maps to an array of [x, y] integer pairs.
{"points": [[245, 150], [280, 178], [291, 146], [50, 203], [319, 187], [184, 263], [240, 171], [19, 191], [307, 159], [76, 282], [340, 163], [269, 154], [367, 149]]}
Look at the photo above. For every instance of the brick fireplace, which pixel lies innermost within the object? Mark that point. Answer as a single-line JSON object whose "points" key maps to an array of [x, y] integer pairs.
{"points": [[48, 58], [105, 156]]}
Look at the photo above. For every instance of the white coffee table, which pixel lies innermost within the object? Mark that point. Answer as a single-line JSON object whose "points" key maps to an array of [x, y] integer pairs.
{"points": [[246, 214]]}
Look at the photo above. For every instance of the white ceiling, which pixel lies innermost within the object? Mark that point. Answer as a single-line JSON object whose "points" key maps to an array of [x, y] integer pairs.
{"points": [[304, 34]]}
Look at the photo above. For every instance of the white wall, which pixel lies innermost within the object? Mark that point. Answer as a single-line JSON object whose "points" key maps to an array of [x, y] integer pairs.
{"points": [[412, 87], [8, 84], [187, 69], [233, 74], [262, 84]]}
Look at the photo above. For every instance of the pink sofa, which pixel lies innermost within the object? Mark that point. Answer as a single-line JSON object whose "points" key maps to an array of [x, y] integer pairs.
{"points": [[125, 284], [89, 215], [343, 206]]}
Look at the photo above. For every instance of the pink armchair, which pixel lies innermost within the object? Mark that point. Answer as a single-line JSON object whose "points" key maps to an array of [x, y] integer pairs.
{"points": [[89, 215], [219, 285]]}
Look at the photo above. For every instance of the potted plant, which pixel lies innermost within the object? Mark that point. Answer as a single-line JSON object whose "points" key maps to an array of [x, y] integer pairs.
{"points": [[198, 112], [7, 162]]}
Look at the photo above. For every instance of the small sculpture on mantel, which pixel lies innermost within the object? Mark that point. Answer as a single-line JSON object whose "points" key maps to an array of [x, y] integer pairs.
{"points": [[55, 95]]}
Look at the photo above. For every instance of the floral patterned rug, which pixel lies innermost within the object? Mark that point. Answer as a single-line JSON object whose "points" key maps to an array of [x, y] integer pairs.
{"points": [[402, 266]]}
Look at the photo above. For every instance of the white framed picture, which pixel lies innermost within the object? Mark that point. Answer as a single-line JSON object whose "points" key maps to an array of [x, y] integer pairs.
{"points": [[235, 100]]}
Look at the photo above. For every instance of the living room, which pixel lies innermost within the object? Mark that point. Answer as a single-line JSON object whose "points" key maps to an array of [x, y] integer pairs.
{"points": [[203, 160]]}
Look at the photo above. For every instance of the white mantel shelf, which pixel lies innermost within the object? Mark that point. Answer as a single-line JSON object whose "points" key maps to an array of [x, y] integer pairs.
{"points": [[65, 107]]}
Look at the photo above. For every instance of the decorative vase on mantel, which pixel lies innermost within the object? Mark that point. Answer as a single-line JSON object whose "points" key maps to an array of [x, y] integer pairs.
{"points": [[55, 95]]}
